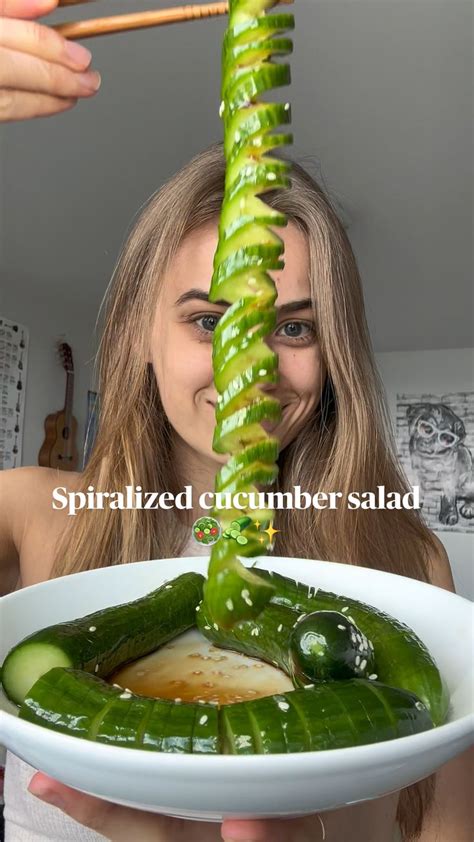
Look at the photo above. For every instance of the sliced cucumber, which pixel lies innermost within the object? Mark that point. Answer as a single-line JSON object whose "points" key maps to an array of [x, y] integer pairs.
{"points": [[100, 642], [327, 716], [402, 659], [81, 705]]}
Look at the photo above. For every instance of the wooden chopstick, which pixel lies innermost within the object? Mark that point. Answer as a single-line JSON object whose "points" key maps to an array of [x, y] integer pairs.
{"points": [[138, 20]]}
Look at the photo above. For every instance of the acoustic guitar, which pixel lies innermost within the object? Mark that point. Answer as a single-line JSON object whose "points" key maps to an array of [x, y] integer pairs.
{"points": [[59, 448]]}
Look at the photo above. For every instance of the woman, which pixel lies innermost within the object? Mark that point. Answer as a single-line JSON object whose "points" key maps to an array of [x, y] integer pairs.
{"points": [[157, 418]]}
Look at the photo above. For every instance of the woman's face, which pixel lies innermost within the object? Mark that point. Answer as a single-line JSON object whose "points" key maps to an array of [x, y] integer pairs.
{"points": [[181, 344]]}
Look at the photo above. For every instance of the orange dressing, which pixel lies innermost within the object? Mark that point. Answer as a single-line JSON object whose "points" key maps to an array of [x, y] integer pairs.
{"points": [[191, 669]]}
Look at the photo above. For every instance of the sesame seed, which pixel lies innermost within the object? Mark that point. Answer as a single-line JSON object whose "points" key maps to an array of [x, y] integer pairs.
{"points": [[351, 619], [221, 108], [343, 628], [178, 699], [363, 664], [237, 137], [229, 604], [419, 705], [262, 372], [283, 706], [168, 587], [126, 695], [280, 627], [346, 608], [361, 647], [357, 660], [203, 720], [207, 627], [216, 626], [371, 645], [271, 176], [255, 632], [308, 686], [287, 106], [198, 607], [373, 676], [92, 628], [96, 668]]}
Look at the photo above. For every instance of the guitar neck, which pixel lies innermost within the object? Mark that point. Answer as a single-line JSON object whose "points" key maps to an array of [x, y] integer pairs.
{"points": [[68, 400]]}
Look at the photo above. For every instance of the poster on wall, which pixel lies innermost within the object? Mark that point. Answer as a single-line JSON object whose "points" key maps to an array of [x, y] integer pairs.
{"points": [[13, 366], [435, 440]]}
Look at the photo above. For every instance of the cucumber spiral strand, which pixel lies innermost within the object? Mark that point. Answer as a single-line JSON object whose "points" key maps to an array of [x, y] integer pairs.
{"points": [[247, 251]]}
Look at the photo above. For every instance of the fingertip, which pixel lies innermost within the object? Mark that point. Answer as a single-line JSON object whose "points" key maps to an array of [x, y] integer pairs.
{"points": [[45, 788], [38, 782], [240, 830], [45, 6]]}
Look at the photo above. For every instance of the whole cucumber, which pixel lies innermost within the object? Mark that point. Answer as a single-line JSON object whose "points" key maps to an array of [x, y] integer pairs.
{"points": [[107, 639], [327, 715], [401, 658]]}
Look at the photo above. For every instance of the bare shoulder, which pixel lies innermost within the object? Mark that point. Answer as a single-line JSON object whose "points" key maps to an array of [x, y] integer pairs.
{"points": [[441, 574], [28, 526], [33, 486]]}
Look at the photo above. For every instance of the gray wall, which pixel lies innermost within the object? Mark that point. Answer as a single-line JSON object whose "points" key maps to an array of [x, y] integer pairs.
{"points": [[382, 110]]}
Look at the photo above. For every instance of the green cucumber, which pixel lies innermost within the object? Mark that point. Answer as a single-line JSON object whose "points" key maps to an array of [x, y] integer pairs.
{"points": [[247, 251], [325, 645], [402, 659], [328, 715], [267, 637], [82, 705], [107, 639], [308, 647]]}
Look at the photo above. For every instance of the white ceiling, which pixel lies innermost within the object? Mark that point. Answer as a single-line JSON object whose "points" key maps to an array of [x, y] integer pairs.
{"points": [[382, 107]]}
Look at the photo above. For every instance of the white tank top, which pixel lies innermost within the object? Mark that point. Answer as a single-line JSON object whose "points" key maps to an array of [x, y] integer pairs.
{"points": [[27, 819]]}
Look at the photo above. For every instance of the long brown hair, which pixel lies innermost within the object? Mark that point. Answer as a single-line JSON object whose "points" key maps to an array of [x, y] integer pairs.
{"points": [[346, 446]]}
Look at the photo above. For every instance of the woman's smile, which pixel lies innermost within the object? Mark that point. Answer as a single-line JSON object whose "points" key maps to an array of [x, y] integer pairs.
{"points": [[183, 329]]}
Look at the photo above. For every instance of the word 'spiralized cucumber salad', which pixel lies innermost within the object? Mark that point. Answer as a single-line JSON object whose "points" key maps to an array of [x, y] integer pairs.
{"points": [[247, 250], [360, 676]]}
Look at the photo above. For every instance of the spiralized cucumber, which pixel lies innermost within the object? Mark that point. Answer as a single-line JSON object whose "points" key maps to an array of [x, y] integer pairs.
{"points": [[247, 251]]}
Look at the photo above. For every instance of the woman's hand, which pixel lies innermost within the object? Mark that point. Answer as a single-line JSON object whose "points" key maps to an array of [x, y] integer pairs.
{"points": [[120, 824], [41, 73]]}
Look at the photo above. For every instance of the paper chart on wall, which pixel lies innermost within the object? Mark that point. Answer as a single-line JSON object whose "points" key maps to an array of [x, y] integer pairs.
{"points": [[13, 367]]}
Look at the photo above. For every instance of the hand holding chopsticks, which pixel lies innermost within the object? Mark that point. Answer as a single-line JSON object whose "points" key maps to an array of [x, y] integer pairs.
{"points": [[42, 73], [139, 20]]}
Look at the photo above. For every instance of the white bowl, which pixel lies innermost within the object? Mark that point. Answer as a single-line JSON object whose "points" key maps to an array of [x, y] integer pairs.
{"points": [[212, 788]]}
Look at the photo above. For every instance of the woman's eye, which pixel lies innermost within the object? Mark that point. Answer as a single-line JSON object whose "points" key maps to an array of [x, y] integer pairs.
{"points": [[207, 323], [297, 331]]}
